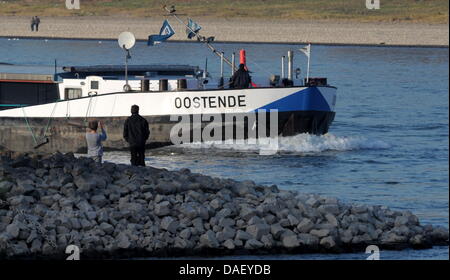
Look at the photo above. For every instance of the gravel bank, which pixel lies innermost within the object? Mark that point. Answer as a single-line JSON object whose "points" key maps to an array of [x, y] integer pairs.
{"points": [[237, 30], [121, 211]]}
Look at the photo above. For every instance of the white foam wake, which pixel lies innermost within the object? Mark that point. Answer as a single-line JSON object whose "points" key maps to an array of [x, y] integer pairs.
{"points": [[302, 143]]}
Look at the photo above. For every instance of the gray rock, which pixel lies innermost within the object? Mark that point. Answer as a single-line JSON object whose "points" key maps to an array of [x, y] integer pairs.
{"points": [[19, 249], [331, 219], [238, 243], [99, 200], [328, 208], [196, 196], [240, 223], [203, 212], [359, 209], [229, 244], [216, 203], [331, 200], [308, 239], [170, 224], [122, 241], [392, 238], [312, 202], [13, 230], [267, 240], [325, 225], [84, 183], [91, 215], [401, 230], [21, 200], [146, 188], [24, 187], [102, 217], [320, 233], [243, 235], [270, 219], [188, 211], [439, 234], [198, 225], [364, 239], [224, 213], [401, 221], [277, 230], [162, 209], [290, 241], [47, 200], [284, 223], [85, 224], [258, 230], [346, 236], [328, 242], [185, 233], [84, 206], [252, 244], [5, 187], [226, 233], [417, 240], [209, 240], [62, 230], [107, 228], [255, 220], [305, 225], [247, 213], [293, 221], [226, 222], [75, 223], [47, 249], [244, 188], [36, 246], [41, 172]]}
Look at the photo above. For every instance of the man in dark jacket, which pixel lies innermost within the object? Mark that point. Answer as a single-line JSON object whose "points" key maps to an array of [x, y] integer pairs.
{"points": [[136, 133], [241, 78]]}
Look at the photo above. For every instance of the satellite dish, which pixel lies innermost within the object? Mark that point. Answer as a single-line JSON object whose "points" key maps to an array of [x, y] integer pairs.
{"points": [[126, 40]]}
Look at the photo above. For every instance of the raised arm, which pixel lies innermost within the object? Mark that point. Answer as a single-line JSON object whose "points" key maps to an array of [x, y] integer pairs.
{"points": [[103, 134]]}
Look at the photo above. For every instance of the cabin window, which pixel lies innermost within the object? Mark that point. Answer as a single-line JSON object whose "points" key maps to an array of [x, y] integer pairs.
{"points": [[72, 93], [94, 84]]}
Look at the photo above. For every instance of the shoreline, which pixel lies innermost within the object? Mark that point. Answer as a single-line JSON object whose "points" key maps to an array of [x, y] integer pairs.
{"points": [[322, 32], [238, 42]]}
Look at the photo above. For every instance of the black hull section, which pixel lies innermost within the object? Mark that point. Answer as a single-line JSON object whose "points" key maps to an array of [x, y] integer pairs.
{"points": [[68, 135]]}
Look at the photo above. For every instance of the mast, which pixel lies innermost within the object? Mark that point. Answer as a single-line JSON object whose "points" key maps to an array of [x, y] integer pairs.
{"points": [[200, 38]]}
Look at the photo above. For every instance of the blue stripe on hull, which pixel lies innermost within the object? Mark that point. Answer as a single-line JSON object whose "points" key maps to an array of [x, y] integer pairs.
{"points": [[309, 99]]}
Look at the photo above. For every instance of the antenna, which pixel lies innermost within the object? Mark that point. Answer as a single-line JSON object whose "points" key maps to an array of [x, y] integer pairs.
{"points": [[126, 42]]}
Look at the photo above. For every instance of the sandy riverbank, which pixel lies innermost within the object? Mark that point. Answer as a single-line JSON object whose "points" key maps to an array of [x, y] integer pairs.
{"points": [[237, 30]]}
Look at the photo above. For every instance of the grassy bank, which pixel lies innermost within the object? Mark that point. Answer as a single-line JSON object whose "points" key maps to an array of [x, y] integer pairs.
{"points": [[423, 11]]}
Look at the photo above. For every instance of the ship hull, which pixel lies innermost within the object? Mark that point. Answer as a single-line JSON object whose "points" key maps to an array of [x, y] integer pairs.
{"points": [[61, 126]]}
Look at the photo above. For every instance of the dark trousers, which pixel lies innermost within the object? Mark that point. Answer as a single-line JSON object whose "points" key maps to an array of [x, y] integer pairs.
{"points": [[137, 155]]}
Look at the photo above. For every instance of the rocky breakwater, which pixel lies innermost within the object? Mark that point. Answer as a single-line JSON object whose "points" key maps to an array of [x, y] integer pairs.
{"points": [[119, 211]]}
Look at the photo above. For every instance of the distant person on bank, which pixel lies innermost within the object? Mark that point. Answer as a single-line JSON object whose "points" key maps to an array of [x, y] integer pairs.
{"points": [[33, 23], [94, 140], [241, 78], [37, 21], [136, 133]]}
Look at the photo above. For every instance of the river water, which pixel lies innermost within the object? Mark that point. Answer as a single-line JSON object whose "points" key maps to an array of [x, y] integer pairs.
{"points": [[387, 146]]}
